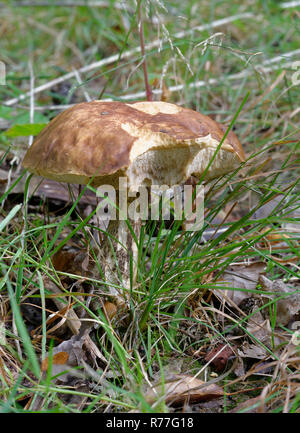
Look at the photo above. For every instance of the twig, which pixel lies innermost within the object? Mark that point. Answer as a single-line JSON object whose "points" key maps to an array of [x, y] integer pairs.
{"points": [[31, 115], [198, 84], [281, 57], [130, 53], [291, 4], [194, 85]]}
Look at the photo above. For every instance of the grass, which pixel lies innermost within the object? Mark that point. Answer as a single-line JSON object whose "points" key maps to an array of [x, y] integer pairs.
{"points": [[175, 312]]}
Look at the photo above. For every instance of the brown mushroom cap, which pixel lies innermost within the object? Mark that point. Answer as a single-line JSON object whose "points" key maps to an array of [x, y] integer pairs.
{"points": [[147, 142]]}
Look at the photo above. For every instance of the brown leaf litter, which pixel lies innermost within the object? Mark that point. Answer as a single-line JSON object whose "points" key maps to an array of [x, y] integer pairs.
{"points": [[181, 388]]}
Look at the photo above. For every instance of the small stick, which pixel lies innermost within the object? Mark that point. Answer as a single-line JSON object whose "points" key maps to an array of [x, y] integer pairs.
{"points": [[179, 87]]}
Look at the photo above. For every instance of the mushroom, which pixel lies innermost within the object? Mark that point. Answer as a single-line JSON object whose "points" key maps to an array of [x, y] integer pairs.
{"points": [[142, 143]]}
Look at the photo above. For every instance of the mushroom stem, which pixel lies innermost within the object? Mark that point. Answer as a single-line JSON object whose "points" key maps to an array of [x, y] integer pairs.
{"points": [[118, 248]]}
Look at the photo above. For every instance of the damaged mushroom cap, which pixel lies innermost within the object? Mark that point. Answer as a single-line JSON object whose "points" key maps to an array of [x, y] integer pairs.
{"points": [[148, 142]]}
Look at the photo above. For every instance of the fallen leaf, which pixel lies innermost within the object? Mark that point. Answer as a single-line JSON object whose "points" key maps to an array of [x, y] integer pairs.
{"points": [[221, 356], [277, 237], [260, 328], [41, 187], [110, 310], [247, 406], [239, 368], [183, 388], [240, 277], [70, 354], [266, 209], [247, 350], [59, 358], [287, 307], [71, 261]]}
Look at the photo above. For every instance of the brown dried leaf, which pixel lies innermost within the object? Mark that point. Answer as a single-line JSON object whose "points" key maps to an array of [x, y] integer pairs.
{"points": [[266, 209], [247, 350], [59, 358], [287, 307], [240, 277], [110, 310], [260, 328], [71, 261], [239, 368], [183, 388], [246, 406], [277, 237], [72, 353], [221, 355], [93, 350]]}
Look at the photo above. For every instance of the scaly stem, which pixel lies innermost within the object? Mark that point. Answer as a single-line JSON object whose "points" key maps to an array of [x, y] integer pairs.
{"points": [[117, 249]]}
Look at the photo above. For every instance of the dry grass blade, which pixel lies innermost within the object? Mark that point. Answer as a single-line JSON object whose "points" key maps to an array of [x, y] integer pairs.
{"points": [[72, 319]]}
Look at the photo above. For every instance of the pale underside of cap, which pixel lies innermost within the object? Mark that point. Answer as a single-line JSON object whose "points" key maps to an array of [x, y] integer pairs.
{"points": [[149, 143]]}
